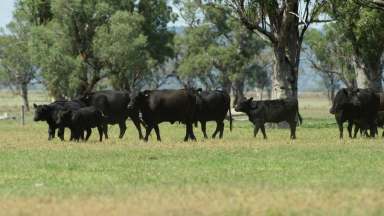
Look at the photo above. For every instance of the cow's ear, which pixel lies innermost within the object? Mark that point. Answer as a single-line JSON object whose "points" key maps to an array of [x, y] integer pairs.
{"points": [[146, 93], [199, 90], [34, 105], [250, 99], [345, 91]]}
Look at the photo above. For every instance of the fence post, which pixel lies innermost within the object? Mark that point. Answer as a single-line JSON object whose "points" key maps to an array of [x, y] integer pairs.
{"points": [[22, 115]]}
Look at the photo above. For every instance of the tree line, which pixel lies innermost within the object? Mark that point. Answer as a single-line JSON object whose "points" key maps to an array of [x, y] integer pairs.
{"points": [[76, 46]]}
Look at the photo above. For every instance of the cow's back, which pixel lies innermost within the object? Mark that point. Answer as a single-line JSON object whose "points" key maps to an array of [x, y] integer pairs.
{"points": [[112, 103], [212, 105], [280, 110], [170, 105]]}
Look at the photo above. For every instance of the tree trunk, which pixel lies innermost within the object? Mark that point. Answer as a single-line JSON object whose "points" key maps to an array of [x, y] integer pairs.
{"points": [[238, 89], [287, 48], [227, 85], [284, 76], [369, 75], [24, 95]]}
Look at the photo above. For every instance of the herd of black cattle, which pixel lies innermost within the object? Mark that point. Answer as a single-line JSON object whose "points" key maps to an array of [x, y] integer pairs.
{"points": [[359, 107]]}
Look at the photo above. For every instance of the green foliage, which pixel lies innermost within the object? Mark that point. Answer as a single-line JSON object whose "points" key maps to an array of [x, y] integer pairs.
{"points": [[16, 67], [363, 28], [68, 44], [215, 48], [122, 46], [57, 64], [157, 15], [332, 54]]}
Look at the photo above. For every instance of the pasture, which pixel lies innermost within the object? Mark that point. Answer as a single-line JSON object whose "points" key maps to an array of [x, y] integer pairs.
{"points": [[317, 174]]}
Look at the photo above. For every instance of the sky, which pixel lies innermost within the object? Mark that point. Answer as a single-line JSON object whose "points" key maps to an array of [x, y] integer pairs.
{"points": [[6, 8]]}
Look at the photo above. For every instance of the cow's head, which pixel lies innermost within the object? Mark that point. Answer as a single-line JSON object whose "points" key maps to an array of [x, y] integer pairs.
{"points": [[42, 112], [63, 116], [138, 100], [346, 97], [86, 98], [244, 105]]}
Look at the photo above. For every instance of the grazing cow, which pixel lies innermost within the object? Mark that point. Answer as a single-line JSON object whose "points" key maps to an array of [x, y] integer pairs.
{"points": [[48, 113], [260, 112], [83, 119], [356, 106], [171, 106], [213, 106], [114, 105]]}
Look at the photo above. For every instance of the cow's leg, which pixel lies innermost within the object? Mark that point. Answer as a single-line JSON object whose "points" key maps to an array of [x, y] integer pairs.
{"points": [[148, 131], [262, 127], [89, 132], [373, 130], [340, 125], [189, 132], [123, 128], [349, 127], [292, 126], [221, 129], [357, 128], [157, 130], [51, 132], [204, 128], [105, 129], [73, 134], [255, 130], [136, 122], [76, 135], [60, 133], [216, 130], [100, 129]]}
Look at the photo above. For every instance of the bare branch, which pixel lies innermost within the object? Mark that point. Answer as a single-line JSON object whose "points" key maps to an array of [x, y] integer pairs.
{"points": [[239, 7], [374, 4]]}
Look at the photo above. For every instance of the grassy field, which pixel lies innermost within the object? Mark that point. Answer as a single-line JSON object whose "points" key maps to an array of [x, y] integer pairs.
{"points": [[317, 174]]}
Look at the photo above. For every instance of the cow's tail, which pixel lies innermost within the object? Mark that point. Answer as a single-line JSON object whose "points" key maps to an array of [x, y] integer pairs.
{"points": [[300, 122], [230, 119], [229, 109]]}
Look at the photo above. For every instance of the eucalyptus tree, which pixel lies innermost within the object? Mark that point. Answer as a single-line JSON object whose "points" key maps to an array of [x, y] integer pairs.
{"points": [[375, 4], [330, 55], [282, 23], [64, 41], [16, 68], [215, 48], [122, 46], [363, 29]]}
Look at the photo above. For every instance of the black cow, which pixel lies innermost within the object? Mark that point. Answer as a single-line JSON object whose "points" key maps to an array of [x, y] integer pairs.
{"points": [[114, 105], [356, 106], [83, 119], [48, 113], [213, 106], [260, 112], [171, 106]]}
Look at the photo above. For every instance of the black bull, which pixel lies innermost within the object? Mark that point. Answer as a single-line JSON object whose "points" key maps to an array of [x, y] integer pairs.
{"points": [[48, 113], [113, 104], [356, 106], [171, 106], [213, 106], [260, 112]]}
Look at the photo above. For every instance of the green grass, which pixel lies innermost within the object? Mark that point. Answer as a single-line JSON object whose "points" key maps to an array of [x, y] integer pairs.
{"points": [[317, 174]]}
